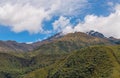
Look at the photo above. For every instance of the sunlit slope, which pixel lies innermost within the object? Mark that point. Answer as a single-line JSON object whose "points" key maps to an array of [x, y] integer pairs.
{"points": [[70, 42], [91, 62]]}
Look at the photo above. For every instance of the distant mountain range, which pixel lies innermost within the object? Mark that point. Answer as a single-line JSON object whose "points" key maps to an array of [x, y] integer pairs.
{"points": [[13, 46], [74, 55]]}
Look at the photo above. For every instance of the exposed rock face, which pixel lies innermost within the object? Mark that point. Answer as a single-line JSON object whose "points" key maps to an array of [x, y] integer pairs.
{"points": [[96, 34]]}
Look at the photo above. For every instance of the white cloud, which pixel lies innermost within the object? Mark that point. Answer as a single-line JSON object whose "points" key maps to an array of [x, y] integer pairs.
{"points": [[109, 25], [68, 29], [29, 42], [22, 17], [61, 24], [28, 15]]}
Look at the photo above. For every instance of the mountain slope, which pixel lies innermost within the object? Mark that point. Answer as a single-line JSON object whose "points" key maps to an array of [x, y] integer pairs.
{"points": [[12, 66], [91, 62], [100, 35], [16, 60], [13, 46], [114, 40], [96, 34], [59, 42], [70, 42]]}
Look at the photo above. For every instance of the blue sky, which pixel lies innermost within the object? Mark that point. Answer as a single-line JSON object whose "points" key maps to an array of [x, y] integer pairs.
{"points": [[39, 19]]}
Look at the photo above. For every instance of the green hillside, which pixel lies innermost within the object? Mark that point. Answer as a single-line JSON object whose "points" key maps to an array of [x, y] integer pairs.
{"points": [[11, 66], [91, 62], [70, 42], [69, 56], [15, 66]]}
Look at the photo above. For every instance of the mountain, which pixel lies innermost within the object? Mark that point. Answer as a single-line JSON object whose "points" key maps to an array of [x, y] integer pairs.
{"points": [[13, 46], [70, 42], [56, 36], [63, 43], [90, 62], [114, 40], [100, 35], [95, 34], [49, 39], [60, 56]]}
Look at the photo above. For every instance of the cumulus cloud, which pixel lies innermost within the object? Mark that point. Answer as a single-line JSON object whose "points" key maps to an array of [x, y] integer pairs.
{"points": [[61, 24], [109, 25], [28, 15], [22, 17]]}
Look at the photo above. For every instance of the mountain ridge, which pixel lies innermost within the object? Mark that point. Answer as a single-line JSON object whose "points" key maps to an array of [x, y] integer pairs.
{"points": [[13, 46], [53, 57]]}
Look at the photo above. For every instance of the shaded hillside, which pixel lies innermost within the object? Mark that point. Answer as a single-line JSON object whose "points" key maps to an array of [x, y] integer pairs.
{"points": [[91, 62], [12, 66], [15, 66], [114, 40]]}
